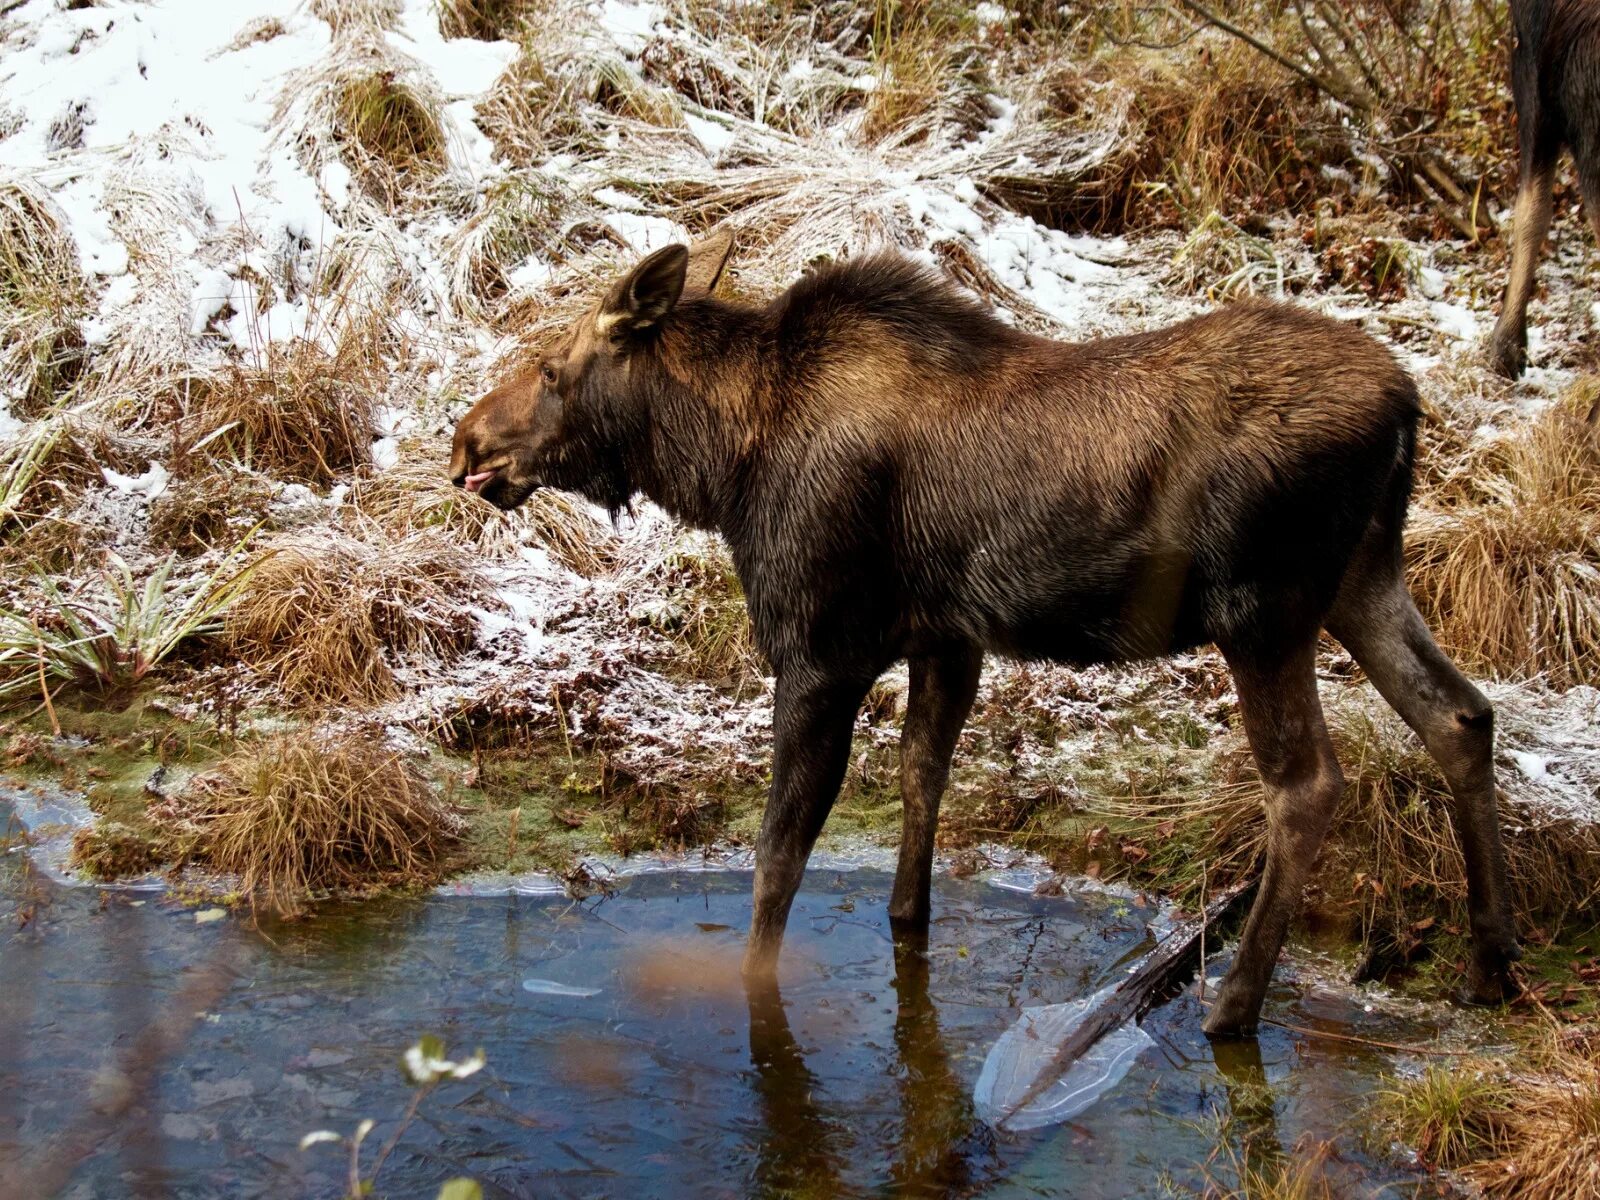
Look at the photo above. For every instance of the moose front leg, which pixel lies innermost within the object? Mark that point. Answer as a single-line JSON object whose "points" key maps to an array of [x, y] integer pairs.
{"points": [[811, 724], [942, 689]]}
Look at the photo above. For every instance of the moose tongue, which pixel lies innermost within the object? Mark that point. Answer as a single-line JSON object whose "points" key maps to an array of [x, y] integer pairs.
{"points": [[473, 482]]}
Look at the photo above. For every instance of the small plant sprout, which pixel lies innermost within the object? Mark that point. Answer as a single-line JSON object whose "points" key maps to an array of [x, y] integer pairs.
{"points": [[426, 1067]]}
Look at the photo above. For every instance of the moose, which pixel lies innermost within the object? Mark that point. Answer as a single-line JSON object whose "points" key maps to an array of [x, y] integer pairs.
{"points": [[899, 474], [1555, 87]]}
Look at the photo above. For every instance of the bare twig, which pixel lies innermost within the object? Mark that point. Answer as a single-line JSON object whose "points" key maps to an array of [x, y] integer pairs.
{"points": [[1283, 60]]}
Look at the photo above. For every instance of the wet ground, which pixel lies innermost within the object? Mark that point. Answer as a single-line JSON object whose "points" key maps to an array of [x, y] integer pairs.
{"points": [[150, 1053]]}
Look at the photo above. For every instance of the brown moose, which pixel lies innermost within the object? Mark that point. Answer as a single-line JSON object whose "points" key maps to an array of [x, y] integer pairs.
{"points": [[900, 475]]}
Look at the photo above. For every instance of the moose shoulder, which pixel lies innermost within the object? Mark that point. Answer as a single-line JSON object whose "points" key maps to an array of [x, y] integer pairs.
{"points": [[900, 475]]}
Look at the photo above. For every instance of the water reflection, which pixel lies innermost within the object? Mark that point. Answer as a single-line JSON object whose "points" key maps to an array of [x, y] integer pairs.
{"points": [[798, 1145], [669, 1080], [1252, 1107]]}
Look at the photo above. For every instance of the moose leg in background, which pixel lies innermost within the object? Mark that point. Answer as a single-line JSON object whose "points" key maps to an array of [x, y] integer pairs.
{"points": [[942, 690], [1508, 345], [1539, 139], [1301, 782], [1379, 624], [813, 715]]}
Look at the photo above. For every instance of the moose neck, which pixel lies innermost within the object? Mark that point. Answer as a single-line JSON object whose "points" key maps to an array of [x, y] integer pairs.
{"points": [[703, 382]]}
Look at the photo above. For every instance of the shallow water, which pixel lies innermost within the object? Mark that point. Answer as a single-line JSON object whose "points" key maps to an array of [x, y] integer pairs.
{"points": [[149, 1054]]}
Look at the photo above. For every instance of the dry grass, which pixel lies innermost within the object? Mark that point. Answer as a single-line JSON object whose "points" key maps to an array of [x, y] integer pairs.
{"points": [[43, 299], [487, 19], [1508, 576], [299, 815], [216, 508], [372, 108], [1552, 1143], [416, 496], [328, 616], [391, 126], [1392, 865], [1529, 1130], [305, 414], [518, 217], [1449, 1116], [924, 62], [706, 618]]}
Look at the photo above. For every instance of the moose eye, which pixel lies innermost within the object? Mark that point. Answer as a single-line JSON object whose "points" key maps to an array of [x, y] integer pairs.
{"points": [[548, 374]]}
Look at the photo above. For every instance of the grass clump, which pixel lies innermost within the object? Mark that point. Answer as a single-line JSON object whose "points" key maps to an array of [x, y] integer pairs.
{"points": [[297, 816], [487, 20], [519, 217], [1391, 872], [1508, 575], [1450, 1116], [1552, 1143], [304, 414], [327, 617], [43, 300], [109, 640], [416, 497], [391, 128], [707, 622], [221, 507]]}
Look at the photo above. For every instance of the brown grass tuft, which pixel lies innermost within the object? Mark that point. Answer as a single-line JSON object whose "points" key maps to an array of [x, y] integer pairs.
{"points": [[487, 20], [707, 621], [1392, 864], [1552, 1144], [390, 127], [416, 496], [297, 816], [1449, 1116], [43, 299], [306, 414], [218, 508], [1509, 577], [1527, 1130], [329, 615]]}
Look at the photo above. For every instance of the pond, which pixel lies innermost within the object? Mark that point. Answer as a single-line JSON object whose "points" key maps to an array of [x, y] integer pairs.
{"points": [[148, 1052]]}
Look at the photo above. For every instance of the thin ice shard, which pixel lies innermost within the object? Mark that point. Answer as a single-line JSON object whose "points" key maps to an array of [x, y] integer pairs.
{"points": [[1008, 1094], [549, 987]]}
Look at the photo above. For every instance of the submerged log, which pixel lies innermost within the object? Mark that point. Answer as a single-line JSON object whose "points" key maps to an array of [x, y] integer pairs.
{"points": [[1159, 975]]}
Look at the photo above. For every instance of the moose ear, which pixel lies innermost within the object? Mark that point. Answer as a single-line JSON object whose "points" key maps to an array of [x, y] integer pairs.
{"points": [[645, 294], [707, 260]]}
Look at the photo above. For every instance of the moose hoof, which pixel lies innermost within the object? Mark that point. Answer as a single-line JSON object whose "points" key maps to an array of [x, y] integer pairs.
{"points": [[1231, 1019], [1489, 980], [1508, 356]]}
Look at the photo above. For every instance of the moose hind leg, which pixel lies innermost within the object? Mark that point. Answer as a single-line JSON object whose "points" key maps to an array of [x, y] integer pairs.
{"points": [[942, 690], [1381, 627], [811, 724], [1301, 782], [1508, 344]]}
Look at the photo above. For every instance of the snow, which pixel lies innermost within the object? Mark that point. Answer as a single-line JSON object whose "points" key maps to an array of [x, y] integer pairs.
{"points": [[149, 485]]}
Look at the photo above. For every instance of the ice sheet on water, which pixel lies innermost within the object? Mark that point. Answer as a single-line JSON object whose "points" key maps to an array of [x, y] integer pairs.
{"points": [[1026, 1053]]}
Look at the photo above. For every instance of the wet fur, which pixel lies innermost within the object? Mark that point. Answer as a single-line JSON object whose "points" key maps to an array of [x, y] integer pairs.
{"points": [[898, 474], [1555, 85]]}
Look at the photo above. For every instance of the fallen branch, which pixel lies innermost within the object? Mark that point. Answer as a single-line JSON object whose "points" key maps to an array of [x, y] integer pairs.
{"points": [[1158, 975]]}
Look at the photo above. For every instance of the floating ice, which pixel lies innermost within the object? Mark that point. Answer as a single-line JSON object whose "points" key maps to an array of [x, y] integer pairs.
{"points": [[1026, 1053], [549, 987]]}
